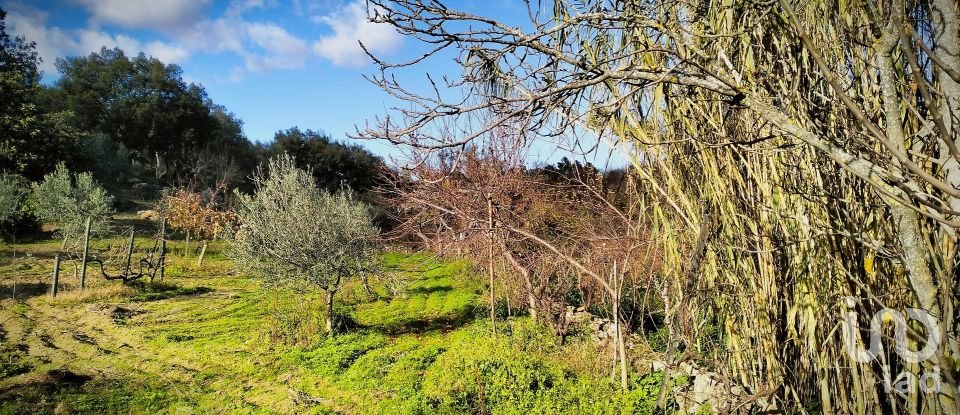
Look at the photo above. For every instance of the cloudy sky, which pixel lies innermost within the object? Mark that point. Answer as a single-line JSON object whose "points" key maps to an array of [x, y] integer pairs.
{"points": [[275, 63]]}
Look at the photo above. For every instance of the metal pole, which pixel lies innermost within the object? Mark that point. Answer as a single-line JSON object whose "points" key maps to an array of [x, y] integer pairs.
{"points": [[83, 259], [56, 275]]}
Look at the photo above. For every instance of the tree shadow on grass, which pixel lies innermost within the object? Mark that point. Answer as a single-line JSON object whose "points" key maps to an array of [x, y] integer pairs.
{"points": [[34, 395], [430, 290], [142, 227], [161, 291], [413, 325], [24, 290], [65, 391]]}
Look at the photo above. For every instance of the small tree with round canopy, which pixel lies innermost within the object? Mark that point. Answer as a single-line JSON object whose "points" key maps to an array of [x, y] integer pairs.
{"points": [[293, 233]]}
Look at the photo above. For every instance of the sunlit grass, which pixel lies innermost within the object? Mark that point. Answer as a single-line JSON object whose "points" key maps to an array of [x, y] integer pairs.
{"points": [[208, 340]]}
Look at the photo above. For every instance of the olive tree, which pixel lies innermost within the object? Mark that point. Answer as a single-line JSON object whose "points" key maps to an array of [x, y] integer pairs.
{"points": [[67, 200], [292, 233], [10, 197]]}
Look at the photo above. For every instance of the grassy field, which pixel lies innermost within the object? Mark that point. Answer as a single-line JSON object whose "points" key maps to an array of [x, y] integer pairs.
{"points": [[211, 340]]}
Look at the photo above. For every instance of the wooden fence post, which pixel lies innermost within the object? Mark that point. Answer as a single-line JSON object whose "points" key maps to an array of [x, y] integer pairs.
{"points": [[83, 259], [163, 246], [129, 253], [56, 275]]}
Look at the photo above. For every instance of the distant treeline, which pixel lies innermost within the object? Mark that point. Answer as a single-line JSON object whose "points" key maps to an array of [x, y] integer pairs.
{"points": [[134, 119]]}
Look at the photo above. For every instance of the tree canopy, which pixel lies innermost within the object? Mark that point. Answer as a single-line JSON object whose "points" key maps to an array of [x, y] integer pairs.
{"points": [[335, 165], [139, 102], [30, 138]]}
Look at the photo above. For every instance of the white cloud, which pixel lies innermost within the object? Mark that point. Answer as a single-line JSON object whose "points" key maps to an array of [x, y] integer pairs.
{"points": [[216, 35], [239, 7], [351, 26], [262, 46], [167, 53], [164, 15], [54, 42], [282, 50]]}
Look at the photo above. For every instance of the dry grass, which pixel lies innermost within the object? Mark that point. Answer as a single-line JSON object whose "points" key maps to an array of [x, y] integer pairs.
{"points": [[104, 292]]}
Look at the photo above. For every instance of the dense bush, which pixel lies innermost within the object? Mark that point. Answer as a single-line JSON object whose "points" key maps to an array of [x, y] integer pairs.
{"points": [[334, 165], [109, 160]]}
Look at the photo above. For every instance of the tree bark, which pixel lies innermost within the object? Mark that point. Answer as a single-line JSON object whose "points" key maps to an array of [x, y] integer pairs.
{"points": [[946, 35], [907, 220], [493, 299], [203, 250], [621, 345], [910, 233], [329, 321], [527, 282], [86, 251]]}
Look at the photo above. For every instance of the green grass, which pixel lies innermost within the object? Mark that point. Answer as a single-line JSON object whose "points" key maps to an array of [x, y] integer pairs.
{"points": [[207, 340]]}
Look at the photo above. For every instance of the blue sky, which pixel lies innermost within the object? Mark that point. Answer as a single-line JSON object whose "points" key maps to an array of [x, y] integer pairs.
{"points": [[276, 64]]}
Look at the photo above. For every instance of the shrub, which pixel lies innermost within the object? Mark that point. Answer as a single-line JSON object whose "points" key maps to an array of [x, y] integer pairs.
{"points": [[10, 198], [13, 219], [67, 200], [201, 214]]}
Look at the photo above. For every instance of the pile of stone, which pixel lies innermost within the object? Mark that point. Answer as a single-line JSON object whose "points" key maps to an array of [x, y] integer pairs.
{"points": [[704, 390], [601, 330]]}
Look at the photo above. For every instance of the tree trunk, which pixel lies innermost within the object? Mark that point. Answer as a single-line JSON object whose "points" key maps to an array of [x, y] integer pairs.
{"points": [[906, 220], [493, 299], [158, 170], [186, 245], [621, 345], [910, 233], [86, 251], [527, 282], [946, 34], [329, 322], [203, 251]]}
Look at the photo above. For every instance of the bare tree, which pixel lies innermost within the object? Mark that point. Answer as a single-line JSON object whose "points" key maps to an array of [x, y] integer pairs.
{"points": [[552, 235]]}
